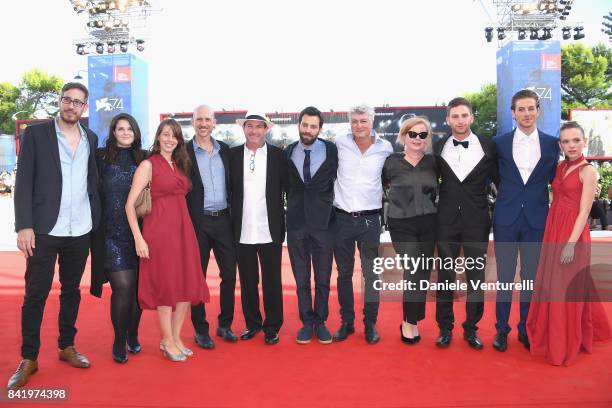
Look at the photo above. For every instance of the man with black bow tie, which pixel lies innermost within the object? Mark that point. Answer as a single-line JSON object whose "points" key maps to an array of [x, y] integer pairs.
{"points": [[467, 164]]}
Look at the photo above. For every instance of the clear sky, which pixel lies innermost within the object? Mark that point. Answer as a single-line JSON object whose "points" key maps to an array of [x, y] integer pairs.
{"points": [[280, 55]]}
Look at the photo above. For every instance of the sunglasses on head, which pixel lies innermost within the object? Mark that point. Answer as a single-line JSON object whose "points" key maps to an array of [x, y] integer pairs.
{"points": [[414, 135]]}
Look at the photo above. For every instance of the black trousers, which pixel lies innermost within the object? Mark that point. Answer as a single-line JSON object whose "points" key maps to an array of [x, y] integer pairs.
{"points": [[40, 267], [363, 231], [216, 233], [316, 247], [598, 211], [416, 238], [473, 239], [270, 256]]}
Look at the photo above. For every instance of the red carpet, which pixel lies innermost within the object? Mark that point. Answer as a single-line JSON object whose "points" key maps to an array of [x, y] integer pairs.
{"points": [[349, 374]]}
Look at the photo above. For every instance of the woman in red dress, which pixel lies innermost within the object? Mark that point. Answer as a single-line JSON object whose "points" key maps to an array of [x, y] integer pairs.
{"points": [[171, 276], [565, 315]]}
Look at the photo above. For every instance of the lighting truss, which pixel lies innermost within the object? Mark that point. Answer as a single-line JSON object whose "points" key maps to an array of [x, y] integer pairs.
{"points": [[516, 18], [116, 24]]}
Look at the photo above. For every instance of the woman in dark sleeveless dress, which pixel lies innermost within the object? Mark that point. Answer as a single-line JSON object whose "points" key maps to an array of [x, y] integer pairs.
{"points": [[171, 276], [565, 315], [113, 254]]}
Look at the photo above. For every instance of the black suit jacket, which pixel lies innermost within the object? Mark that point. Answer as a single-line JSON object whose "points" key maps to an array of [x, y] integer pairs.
{"points": [[195, 197], [38, 186], [276, 185], [312, 203], [466, 200]]}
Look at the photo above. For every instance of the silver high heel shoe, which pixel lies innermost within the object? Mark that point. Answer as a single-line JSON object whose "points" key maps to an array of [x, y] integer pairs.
{"points": [[172, 357], [186, 352]]}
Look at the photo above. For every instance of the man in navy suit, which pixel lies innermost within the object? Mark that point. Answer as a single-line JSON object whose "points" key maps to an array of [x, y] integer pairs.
{"points": [[310, 217], [527, 161]]}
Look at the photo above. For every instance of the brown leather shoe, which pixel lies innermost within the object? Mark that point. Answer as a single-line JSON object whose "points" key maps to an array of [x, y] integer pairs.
{"points": [[73, 357], [24, 370]]}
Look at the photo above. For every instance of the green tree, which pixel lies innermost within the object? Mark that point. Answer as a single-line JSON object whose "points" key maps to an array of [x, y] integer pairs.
{"points": [[584, 79], [484, 104], [37, 91], [8, 106]]}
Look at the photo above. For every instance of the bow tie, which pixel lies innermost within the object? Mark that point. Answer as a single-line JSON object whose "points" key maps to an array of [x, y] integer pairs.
{"points": [[465, 143]]}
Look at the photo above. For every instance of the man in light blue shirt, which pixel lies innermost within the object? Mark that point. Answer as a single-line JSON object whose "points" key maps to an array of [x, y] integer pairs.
{"points": [[209, 210], [56, 207]]}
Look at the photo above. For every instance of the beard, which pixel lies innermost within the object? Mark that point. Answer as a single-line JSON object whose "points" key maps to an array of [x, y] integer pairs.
{"points": [[69, 119], [307, 140]]}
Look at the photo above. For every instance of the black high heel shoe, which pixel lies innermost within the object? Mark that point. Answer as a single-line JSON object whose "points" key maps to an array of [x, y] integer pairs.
{"points": [[120, 356], [409, 340], [133, 345]]}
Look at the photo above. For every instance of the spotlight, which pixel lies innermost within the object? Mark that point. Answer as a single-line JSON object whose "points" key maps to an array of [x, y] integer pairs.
{"points": [[578, 34], [100, 48], [489, 34], [534, 34], [522, 34], [110, 48], [140, 45], [566, 33], [80, 49], [501, 33], [123, 47], [542, 6], [546, 34]]}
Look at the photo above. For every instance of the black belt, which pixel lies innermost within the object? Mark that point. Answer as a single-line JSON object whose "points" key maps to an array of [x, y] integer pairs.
{"points": [[216, 213], [356, 214]]}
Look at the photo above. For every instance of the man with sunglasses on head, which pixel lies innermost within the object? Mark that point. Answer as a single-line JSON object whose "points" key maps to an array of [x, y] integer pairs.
{"points": [[56, 207], [467, 164]]}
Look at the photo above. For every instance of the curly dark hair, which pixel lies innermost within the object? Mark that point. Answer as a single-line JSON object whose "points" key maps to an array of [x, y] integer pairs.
{"points": [[111, 151], [179, 155]]}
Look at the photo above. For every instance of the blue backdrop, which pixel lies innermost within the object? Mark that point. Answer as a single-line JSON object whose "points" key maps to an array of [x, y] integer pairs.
{"points": [[534, 65], [118, 83]]}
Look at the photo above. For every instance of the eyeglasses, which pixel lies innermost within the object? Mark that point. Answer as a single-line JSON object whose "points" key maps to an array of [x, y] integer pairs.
{"points": [[66, 100], [413, 135], [252, 163]]}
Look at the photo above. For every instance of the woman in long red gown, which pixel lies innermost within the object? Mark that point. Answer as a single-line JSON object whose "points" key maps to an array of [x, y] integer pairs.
{"points": [[171, 275], [565, 315]]}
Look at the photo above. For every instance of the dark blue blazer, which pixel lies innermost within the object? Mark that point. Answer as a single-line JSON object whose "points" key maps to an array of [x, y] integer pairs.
{"points": [[513, 194]]}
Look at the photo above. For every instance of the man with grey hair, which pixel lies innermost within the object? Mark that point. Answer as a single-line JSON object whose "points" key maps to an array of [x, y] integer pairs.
{"points": [[358, 202], [209, 210]]}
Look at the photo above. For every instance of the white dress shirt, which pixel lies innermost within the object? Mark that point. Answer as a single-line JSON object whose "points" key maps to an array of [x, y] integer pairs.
{"points": [[358, 186], [460, 159], [255, 228], [526, 152]]}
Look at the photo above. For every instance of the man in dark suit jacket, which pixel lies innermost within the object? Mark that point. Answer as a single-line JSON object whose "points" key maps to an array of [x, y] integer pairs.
{"points": [[258, 173], [527, 164], [56, 207], [208, 204], [467, 165], [313, 164]]}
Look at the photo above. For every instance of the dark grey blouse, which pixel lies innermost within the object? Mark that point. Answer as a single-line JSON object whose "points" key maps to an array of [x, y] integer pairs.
{"points": [[412, 190]]}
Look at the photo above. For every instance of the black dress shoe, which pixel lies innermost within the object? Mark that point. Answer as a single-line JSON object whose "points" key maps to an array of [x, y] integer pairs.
{"points": [[371, 334], [133, 345], [525, 340], [248, 334], [227, 334], [203, 340], [473, 340], [271, 338], [444, 339], [345, 330], [501, 342], [409, 340]]}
